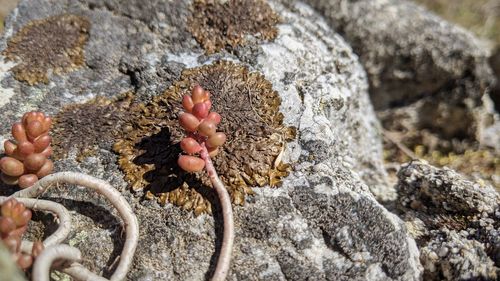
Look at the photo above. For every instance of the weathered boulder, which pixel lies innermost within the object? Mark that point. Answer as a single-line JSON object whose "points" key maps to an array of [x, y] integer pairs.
{"points": [[428, 72], [322, 223], [455, 222]]}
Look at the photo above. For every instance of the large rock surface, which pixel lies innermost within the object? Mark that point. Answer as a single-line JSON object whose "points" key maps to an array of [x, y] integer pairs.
{"points": [[430, 73], [323, 223]]}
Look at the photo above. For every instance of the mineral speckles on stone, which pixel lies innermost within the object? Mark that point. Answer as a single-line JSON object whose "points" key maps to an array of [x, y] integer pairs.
{"points": [[220, 24], [54, 44], [250, 118], [85, 126], [456, 222]]}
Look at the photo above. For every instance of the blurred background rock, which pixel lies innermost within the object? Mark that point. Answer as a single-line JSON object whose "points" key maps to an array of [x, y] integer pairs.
{"points": [[5, 7]]}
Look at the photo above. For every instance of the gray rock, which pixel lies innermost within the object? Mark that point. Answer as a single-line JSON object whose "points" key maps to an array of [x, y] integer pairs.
{"points": [[432, 70], [454, 221], [445, 189], [458, 259], [324, 223]]}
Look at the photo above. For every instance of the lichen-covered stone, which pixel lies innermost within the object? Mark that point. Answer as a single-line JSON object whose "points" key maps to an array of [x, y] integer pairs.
{"points": [[323, 223], [51, 45], [418, 63], [444, 189], [457, 258], [217, 25], [455, 222]]}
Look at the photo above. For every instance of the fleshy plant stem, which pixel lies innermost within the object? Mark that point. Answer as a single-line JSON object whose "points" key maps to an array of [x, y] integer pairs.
{"points": [[116, 199], [224, 260], [41, 269]]}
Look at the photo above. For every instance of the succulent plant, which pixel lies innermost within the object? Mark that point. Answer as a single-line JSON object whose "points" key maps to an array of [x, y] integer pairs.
{"points": [[27, 154], [202, 143], [13, 224], [201, 127]]}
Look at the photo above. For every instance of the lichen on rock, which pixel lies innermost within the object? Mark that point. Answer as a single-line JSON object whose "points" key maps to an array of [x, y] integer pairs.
{"points": [[250, 118], [454, 221], [54, 44], [85, 126], [221, 24]]}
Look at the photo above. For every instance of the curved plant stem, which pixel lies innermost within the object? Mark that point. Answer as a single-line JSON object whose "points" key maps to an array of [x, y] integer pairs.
{"points": [[222, 268], [116, 199], [61, 212], [43, 263], [79, 272]]}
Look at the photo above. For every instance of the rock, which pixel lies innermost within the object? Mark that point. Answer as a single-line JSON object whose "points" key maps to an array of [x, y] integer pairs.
{"points": [[495, 65], [434, 72], [445, 189], [322, 223], [454, 221]]}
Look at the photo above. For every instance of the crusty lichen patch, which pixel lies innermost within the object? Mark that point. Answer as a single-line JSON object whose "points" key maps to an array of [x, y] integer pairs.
{"points": [[250, 118], [85, 126], [51, 45], [221, 24]]}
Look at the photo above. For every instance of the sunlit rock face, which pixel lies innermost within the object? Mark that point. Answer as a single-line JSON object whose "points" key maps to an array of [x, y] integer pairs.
{"points": [[303, 159]]}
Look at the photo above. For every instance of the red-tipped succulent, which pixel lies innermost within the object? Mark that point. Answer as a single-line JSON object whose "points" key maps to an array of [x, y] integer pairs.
{"points": [[201, 127], [13, 224], [27, 154]]}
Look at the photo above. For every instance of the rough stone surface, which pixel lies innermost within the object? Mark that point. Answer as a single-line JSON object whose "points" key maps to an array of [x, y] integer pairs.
{"points": [[445, 189], [416, 62], [322, 224], [455, 222]]}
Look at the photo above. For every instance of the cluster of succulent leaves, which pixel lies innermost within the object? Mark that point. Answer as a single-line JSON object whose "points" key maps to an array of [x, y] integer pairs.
{"points": [[201, 126], [27, 154], [14, 221]]}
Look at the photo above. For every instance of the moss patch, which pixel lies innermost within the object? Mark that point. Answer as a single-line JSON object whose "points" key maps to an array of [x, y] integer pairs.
{"points": [[217, 25], [54, 44], [86, 126], [250, 118]]}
